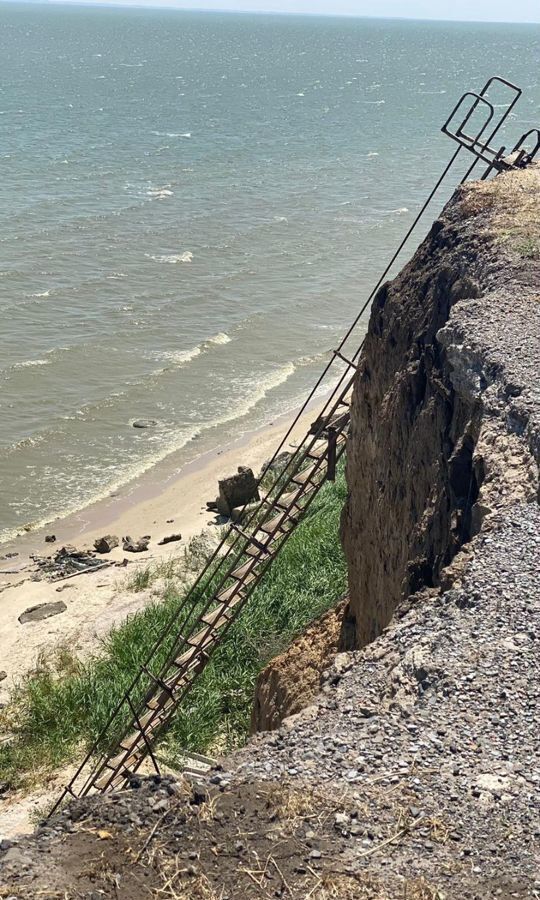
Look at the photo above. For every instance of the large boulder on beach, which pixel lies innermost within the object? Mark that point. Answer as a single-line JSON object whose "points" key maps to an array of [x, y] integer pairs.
{"points": [[237, 490], [136, 546], [106, 543]]}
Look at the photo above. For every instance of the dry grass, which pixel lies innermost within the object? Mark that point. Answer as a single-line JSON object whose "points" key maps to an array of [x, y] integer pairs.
{"points": [[180, 884], [512, 203], [291, 804], [346, 887], [420, 889]]}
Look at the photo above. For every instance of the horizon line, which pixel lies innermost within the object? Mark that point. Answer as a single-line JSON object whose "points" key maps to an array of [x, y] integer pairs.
{"points": [[145, 4]]}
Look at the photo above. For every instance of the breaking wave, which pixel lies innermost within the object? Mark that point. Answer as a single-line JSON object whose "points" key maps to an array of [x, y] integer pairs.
{"points": [[172, 258]]}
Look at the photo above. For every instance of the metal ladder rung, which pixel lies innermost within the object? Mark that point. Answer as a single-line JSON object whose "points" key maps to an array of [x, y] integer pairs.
{"points": [[242, 571], [226, 595], [190, 656], [305, 475], [104, 782], [255, 553], [286, 500], [123, 760], [203, 638], [160, 703], [280, 522], [320, 452], [108, 781], [219, 616], [129, 742]]}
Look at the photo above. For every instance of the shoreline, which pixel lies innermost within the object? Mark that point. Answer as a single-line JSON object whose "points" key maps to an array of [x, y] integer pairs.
{"points": [[98, 601]]}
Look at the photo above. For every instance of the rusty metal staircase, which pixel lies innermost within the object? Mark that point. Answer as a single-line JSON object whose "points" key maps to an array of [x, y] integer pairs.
{"points": [[246, 551]]}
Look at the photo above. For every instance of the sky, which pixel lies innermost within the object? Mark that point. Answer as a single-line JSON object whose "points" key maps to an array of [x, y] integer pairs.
{"points": [[463, 10]]}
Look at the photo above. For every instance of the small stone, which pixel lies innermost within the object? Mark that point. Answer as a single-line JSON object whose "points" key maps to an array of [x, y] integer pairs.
{"points": [[50, 538], [169, 539], [315, 854], [3, 675], [199, 794], [144, 423], [341, 820]]}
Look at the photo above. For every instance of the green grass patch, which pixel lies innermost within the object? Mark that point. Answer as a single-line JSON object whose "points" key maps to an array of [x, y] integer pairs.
{"points": [[59, 709]]}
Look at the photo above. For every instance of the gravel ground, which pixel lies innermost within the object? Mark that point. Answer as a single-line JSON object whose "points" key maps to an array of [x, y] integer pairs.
{"points": [[440, 716]]}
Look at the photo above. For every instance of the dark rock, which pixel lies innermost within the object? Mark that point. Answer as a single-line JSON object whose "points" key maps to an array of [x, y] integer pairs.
{"points": [[199, 794], [136, 546], [42, 611], [144, 423], [169, 539], [276, 466], [106, 543], [50, 538], [243, 513], [211, 505], [237, 490], [3, 675]]}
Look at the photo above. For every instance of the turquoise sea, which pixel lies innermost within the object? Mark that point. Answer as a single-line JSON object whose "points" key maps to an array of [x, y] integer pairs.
{"points": [[192, 208]]}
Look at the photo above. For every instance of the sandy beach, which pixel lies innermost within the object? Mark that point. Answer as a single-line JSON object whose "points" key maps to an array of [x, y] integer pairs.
{"points": [[98, 600]]}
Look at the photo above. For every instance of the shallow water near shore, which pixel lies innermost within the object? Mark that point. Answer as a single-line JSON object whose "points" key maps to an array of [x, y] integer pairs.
{"points": [[193, 207]]}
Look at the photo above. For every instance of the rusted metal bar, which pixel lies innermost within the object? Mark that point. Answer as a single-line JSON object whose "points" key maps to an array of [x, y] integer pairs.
{"points": [[332, 454]]}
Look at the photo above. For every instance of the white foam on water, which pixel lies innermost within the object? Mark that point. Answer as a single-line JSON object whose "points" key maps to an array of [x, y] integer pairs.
{"points": [[219, 338], [373, 153], [176, 441], [173, 134], [42, 294], [172, 258], [27, 364], [179, 357], [272, 381], [160, 193]]}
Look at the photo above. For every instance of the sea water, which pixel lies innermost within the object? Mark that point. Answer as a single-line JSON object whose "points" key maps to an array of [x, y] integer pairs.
{"points": [[193, 207]]}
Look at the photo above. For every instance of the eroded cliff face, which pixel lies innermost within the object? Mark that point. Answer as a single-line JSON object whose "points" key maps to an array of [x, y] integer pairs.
{"points": [[444, 432]]}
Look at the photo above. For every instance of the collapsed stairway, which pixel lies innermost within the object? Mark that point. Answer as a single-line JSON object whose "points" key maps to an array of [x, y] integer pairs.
{"points": [[244, 565]]}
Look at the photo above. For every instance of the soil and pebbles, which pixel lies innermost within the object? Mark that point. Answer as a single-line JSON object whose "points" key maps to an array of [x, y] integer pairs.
{"points": [[415, 774]]}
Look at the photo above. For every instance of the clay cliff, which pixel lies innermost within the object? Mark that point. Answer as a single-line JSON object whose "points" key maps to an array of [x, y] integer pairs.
{"points": [[445, 430]]}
